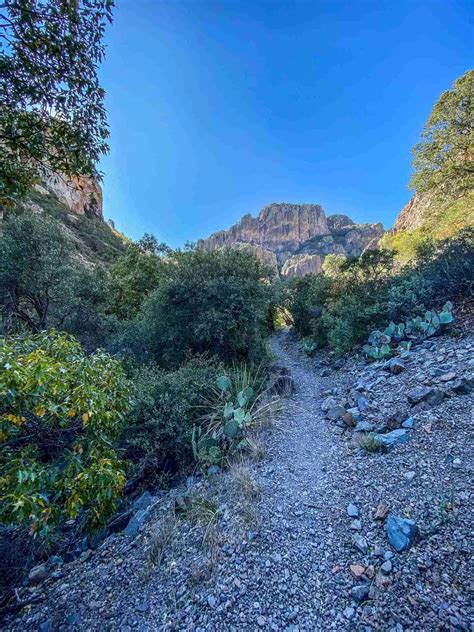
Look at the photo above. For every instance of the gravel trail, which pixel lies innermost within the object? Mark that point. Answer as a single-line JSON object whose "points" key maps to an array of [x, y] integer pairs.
{"points": [[298, 567]]}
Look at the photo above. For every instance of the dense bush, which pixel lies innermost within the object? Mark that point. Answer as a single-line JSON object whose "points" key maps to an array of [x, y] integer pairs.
{"points": [[210, 302], [41, 286], [166, 406], [339, 306], [134, 275], [60, 414], [342, 306]]}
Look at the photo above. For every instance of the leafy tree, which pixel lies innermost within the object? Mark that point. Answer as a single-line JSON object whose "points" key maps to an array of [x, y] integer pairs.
{"points": [[136, 273], [213, 302], [52, 113], [443, 159], [60, 413], [41, 286], [35, 270]]}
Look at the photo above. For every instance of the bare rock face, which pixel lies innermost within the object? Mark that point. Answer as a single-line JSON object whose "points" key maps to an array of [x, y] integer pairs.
{"points": [[81, 194], [413, 214], [299, 235], [300, 265], [278, 227], [336, 222]]}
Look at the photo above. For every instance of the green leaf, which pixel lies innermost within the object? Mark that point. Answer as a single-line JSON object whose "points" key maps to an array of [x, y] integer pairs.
{"points": [[228, 410], [223, 383], [239, 415], [231, 429]]}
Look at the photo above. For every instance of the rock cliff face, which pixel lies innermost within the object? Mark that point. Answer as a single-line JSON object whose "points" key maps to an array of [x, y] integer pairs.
{"points": [[412, 214], [279, 228], [298, 235], [81, 194], [300, 265]]}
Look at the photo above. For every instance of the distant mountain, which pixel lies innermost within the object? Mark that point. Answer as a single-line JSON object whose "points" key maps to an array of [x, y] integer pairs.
{"points": [[296, 237]]}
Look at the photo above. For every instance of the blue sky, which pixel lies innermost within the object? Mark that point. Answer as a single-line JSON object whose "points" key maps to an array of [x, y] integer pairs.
{"points": [[219, 108]]}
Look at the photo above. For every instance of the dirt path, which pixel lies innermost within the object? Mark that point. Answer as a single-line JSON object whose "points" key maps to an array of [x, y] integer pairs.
{"points": [[283, 580], [290, 570]]}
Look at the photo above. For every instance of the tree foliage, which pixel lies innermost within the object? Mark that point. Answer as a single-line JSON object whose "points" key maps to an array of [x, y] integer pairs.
{"points": [[60, 413], [212, 302], [136, 273], [52, 114], [35, 269], [443, 159]]}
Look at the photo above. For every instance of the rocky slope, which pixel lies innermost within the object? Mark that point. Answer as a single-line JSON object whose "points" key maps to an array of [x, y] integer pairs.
{"points": [[82, 195], [319, 534], [77, 204], [292, 230]]}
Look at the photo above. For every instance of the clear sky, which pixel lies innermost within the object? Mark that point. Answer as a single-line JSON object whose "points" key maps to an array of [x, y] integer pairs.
{"points": [[219, 108]]}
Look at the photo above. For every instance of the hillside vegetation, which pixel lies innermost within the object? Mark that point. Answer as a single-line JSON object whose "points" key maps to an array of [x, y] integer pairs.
{"points": [[125, 366]]}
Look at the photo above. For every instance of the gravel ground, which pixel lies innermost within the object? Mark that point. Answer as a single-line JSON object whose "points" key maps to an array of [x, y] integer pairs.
{"points": [[270, 545]]}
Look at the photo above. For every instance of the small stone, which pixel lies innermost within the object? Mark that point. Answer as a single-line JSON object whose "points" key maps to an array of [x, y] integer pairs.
{"points": [[46, 626], [261, 621], [410, 475], [37, 574], [363, 404], [462, 387], [364, 426], [336, 412], [357, 570], [360, 593], [143, 502], [381, 511], [356, 525], [352, 510], [447, 377], [136, 522], [85, 555], [419, 394], [360, 543], [408, 423], [349, 613], [396, 366], [211, 600], [393, 438], [401, 532], [328, 403], [456, 462], [386, 567]]}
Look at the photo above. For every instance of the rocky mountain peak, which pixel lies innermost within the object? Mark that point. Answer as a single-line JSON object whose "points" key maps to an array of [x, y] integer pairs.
{"points": [[299, 235]]}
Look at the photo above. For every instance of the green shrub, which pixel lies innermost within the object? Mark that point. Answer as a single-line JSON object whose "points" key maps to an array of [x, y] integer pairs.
{"points": [[60, 414], [167, 405], [361, 294], [211, 302], [238, 402]]}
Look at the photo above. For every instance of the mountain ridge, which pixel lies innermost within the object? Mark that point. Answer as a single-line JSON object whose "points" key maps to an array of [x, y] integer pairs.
{"points": [[299, 235]]}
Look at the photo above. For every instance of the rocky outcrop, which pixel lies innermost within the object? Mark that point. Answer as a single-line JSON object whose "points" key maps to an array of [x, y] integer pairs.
{"points": [[300, 265], [412, 214], [279, 228], [81, 194], [299, 235]]}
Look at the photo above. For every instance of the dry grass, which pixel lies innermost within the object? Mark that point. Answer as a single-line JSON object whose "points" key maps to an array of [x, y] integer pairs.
{"points": [[367, 442], [161, 537]]}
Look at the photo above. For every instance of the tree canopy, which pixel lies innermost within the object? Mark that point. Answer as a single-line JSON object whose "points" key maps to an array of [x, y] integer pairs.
{"points": [[443, 159], [52, 114]]}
